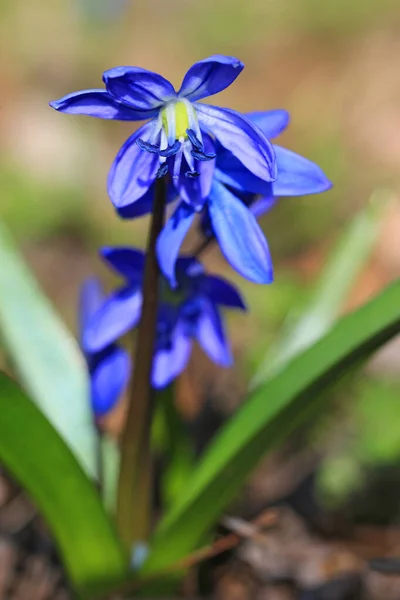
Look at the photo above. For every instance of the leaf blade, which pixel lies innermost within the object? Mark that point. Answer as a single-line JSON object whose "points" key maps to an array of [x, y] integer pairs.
{"points": [[35, 454], [272, 412], [344, 264], [44, 354]]}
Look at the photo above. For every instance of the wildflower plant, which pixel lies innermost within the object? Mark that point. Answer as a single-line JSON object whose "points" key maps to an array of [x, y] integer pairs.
{"points": [[221, 172]]}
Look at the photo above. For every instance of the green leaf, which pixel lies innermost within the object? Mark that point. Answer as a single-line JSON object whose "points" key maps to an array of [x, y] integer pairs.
{"points": [[268, 416], [44, 354], [39, 459], [344, 264]]}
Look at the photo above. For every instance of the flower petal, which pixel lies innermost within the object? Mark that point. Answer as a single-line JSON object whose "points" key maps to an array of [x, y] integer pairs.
{"points": [[240, 237], [271, 122], [211, 335], [139, 208], [238, 135], [210, 76], [108, 380], [96, 103], [169, 362], [298, 175], [128, 262], [220, 291], [233, 173], [138, 88], [133, 170], [90, 299], [119, 313], [171, 238], [262, 205]]}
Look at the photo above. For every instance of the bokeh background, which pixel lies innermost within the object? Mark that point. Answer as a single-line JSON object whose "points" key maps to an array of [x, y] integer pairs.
{"points": [[335, 65]]}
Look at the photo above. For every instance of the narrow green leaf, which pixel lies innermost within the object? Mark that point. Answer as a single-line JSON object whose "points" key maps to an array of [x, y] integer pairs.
{"points": [[44, 354], [39, 459], [268, 416], [344, 264]]}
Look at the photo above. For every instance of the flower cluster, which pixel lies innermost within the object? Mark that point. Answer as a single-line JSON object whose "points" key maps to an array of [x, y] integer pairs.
{"points": [[220, 165]]}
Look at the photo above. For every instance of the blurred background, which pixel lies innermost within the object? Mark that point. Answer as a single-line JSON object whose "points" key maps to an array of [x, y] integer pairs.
{"points": [[335, 66]]}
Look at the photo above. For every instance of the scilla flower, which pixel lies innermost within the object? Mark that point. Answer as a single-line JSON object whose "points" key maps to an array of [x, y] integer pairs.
{"points": [[109, 368], [181, 133], [190, 312], [234, 189]]}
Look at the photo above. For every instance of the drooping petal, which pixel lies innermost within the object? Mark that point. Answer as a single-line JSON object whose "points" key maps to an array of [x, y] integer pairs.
{"points": [[109, 379], [210, 76], [134, 170], [271, 122], [170, 361], [298, 175], [138, 88], [233, 173], [90, 299], [262, 205], [189, 267], [238, 135], [239, 235], [211, 335], [220, 291], [96, 103], [144, 205], [171, 238], [139, 208], [119, 313], [128, 262]]}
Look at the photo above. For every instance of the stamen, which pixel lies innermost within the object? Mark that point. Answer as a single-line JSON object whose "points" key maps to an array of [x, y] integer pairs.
{"points": [[171, 150], [194, 139], [201, 155], [143, 145], [178, 163], [163, 170]]}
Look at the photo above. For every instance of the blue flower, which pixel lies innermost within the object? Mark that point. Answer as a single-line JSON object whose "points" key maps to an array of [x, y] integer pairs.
{"points": [[109, 368], [181, 133], [234, 189], [189, 312]]}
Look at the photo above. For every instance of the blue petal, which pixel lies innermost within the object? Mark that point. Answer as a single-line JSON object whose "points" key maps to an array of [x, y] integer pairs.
{"points": [[133, 170], [171, 238], [233, 173], [238, 135], [271, 122], [96, 103], [210, 76], [220, 291], [169, 362], [189, 267], [240, 237], [211, 335], [108, 380], [128, 262], [119, 313], [262, 205], [90, 299], [298, 175], [142, 206], [138, 88]]}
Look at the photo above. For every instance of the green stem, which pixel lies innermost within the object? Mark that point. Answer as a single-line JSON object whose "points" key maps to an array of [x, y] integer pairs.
{"points": [[135, 482]]}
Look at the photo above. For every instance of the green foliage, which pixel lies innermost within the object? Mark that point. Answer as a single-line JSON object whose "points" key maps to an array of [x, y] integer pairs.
{"points": [[344, 264], [269, 415], [44, 354], [36, 455]]}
